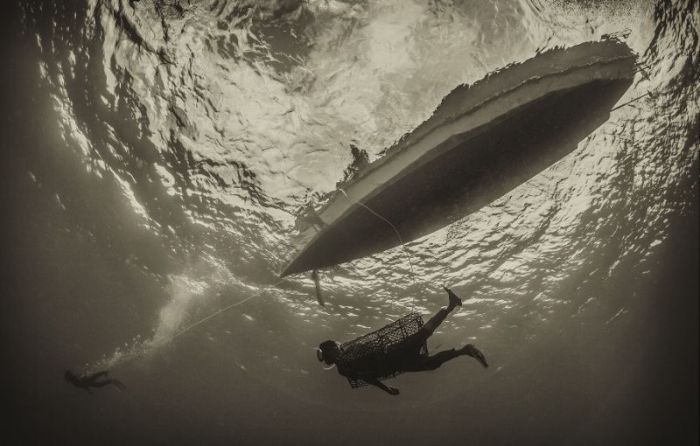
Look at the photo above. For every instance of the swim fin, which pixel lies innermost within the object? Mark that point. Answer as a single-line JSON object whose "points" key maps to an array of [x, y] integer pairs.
{"points": [[454, 299]]}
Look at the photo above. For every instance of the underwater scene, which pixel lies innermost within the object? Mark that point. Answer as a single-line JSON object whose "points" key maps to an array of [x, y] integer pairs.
{"points": [[163, 157]]}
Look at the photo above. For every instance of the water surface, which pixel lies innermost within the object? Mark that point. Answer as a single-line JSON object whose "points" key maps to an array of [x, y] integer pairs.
{"points": [[157, 157]]}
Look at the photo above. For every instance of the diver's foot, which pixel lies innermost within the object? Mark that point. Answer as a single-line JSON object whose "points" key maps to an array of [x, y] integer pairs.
{"points": [[455, 301], [475, 353]]}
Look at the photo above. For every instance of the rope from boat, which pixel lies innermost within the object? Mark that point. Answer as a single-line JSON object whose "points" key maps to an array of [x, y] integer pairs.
{"points": [[398, 236], [135, 354], [631, 101], [218, 312]]}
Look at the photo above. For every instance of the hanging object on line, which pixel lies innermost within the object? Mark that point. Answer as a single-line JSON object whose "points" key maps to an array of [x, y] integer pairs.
{"points": [[317, 283]]}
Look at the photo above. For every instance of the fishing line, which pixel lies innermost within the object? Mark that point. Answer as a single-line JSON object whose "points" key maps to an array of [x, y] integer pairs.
{"points": [[193, 325], [631, 101], [398, 236], [217, 312]]}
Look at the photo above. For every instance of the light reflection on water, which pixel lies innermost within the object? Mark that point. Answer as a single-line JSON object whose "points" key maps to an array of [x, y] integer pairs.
{"points": [[219, 120]]}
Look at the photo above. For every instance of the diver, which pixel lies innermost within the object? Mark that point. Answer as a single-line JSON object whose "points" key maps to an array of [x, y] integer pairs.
{"points": [[409, 355], [87, 382]]}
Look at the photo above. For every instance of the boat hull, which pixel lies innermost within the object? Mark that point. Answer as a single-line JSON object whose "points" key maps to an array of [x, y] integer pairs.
{"points": [[461, 162]]}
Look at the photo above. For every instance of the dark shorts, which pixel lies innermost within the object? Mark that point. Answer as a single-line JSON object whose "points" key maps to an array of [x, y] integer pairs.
{"points": [[412, 347]]}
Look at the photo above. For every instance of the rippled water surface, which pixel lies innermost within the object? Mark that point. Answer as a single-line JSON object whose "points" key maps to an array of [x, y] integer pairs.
{"points": [[174, 142]]}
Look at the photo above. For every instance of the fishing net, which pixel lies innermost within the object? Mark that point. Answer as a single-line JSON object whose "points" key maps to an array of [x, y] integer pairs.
{"points": [[377, 353]]}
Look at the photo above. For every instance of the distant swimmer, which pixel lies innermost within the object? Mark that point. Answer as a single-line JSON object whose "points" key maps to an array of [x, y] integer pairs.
{"points": [[87, 382], [376, 356]]}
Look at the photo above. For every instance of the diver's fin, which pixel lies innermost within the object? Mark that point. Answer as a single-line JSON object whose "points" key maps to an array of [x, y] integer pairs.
{"points": [[454, 299], [317, 282], [475, 353]]}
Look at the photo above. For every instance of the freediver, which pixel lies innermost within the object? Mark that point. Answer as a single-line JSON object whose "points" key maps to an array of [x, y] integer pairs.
{"points": [[406, 357], [87, 382]]}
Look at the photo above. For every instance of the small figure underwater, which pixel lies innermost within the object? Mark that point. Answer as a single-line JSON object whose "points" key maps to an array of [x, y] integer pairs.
{"points": [[394, 349], [87, 382]]}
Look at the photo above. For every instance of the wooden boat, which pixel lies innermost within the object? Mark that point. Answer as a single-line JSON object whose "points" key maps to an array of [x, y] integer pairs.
{"points": [[482, 141]]}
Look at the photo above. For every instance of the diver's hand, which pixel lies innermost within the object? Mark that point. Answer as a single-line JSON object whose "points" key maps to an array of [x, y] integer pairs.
{"points": [[381, 385]]}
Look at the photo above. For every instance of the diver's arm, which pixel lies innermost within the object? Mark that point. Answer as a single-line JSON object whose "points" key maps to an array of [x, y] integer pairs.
{"points": [[375, 382]]}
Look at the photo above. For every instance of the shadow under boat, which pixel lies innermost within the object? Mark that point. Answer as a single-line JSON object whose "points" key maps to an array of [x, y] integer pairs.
{"points": [[482, 141]]}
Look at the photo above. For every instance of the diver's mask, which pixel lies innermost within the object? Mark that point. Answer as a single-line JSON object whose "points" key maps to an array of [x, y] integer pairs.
{"points": [[328, 351]]}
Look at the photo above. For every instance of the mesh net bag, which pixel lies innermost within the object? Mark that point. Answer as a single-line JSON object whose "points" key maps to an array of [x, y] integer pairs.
{"points": [[374, 354]]}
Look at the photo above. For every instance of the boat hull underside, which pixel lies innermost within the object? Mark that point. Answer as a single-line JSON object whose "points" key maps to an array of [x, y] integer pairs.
{"points": [[480, 166]]}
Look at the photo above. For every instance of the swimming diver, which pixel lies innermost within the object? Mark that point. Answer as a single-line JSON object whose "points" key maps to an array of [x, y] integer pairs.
{"points": [[406, 357], [88, 381]]}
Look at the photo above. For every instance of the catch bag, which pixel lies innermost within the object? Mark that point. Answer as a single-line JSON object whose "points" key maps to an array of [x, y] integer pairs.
{"points": [[375, 354]]}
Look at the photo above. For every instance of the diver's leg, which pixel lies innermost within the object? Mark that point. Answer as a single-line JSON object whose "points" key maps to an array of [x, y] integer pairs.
{"points": [[434, 322], [98, 375], [115, 382], [434, 361], [440, 316]]}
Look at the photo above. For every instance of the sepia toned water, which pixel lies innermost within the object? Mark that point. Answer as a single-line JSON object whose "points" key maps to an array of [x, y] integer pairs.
{"points": [[158, 152]]}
